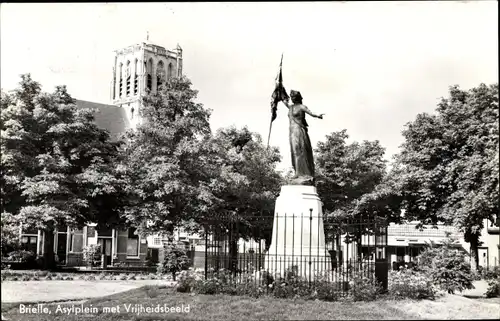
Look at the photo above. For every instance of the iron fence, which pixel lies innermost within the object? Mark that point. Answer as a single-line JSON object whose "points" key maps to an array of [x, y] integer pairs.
{"points": [[306, 246]]}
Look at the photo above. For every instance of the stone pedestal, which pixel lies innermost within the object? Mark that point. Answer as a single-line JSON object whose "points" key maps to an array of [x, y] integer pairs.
{"points": [[298, 240]]}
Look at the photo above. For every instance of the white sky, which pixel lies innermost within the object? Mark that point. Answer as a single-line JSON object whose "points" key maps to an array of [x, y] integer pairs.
{"points": [[369, 66]]}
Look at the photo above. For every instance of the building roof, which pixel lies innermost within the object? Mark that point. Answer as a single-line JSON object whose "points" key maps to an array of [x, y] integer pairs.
{"points": [[428, 231], [109, 117]]}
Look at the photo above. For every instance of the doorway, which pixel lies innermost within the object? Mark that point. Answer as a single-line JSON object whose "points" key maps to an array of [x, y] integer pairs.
{"points": [[483, 257], [61, 247], [105, 244]]}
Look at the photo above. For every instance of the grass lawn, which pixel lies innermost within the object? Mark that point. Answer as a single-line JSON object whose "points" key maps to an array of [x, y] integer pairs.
{"points": [[223, 307]]}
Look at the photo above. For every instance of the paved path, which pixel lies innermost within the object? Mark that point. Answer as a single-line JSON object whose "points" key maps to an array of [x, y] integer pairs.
{"points": [[46, 291], [479, 290]]}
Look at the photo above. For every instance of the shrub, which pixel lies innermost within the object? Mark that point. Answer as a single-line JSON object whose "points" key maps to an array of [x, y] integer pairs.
{"points": [[325, 291], [363, 287], [89, 278], [174, 259], [410, 284], [447, 267], [25, 277], [187, 280], [92, 255], [267, 278], [491, 273], [250, 289], [290, 286], [22, 256], [209, 286], [493, 290]]}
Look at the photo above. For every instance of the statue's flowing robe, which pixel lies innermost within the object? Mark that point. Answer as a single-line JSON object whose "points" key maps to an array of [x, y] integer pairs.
{"points": [[300, 144]]}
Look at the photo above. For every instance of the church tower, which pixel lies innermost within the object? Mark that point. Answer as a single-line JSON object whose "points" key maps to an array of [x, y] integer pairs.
{"points": [[139, 68]]}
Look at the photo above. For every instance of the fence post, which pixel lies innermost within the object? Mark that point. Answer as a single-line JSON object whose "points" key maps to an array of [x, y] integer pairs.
{"points": [[206, 252]]}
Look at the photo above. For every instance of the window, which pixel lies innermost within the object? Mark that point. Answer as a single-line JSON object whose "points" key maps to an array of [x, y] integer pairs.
{"points": [[160, 74], [120, 93], [75, 242], [136, 77], [128, 78], [90, 231], [132, 243], [149, 72], [28, 243], [28, 240], [157, 241], [170, 72]]}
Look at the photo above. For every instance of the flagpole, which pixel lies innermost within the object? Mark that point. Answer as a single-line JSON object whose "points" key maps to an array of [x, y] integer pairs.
{"points": [[269, 136]]}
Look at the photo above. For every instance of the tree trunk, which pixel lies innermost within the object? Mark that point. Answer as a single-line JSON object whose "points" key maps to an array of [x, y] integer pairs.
{"points": [[48, 250], [474, 244], [473, 240], [233, 256]]}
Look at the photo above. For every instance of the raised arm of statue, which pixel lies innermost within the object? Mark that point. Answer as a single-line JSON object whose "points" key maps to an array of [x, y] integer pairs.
{"points": [[310, 113], [286, 103]]}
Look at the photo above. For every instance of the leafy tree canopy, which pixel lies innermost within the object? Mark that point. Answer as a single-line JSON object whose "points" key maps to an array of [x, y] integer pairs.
{"points": [[348, 175], [58, 168], [448, 165], [447, 170]]}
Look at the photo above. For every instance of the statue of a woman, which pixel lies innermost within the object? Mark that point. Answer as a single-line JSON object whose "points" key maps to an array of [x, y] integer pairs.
{"points": [[300, 144]]}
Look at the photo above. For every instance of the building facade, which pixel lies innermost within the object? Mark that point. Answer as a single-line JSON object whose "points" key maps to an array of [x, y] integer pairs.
{"points": [[117, 245]]}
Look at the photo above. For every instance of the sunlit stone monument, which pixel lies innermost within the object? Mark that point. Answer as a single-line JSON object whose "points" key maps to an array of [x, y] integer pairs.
{"points": [[298, 239]]}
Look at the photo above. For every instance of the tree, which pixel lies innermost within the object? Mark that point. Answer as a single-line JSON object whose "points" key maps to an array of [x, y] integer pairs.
{"points": [[347, 172], [10, 234], [253, 183], [349, 182], [448, 166], [247, 183], [446, 266], [174, 259], [58, 168], [168, 160]]}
